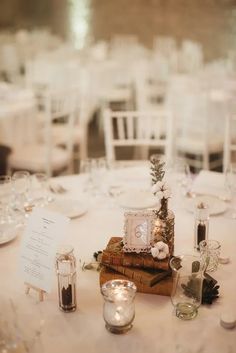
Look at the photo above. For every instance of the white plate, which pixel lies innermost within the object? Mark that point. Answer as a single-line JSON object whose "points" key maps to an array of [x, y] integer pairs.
{"points": [[216, 206], [7, 233], [136, 199], [69, 208]]}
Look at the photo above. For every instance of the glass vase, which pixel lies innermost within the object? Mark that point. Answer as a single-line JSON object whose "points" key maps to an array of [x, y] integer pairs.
{"points": [[164, 225]]}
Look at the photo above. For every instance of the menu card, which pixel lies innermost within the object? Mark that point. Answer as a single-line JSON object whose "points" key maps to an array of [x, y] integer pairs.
{"points": [[43, 234]]}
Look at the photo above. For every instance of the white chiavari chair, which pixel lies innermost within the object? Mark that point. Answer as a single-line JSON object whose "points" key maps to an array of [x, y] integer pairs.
{"points": [[229, 141], [197, 135], [138, 129], [45, 155]]}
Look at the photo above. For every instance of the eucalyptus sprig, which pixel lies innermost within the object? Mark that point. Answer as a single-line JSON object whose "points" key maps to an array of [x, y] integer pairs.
{"points": [[157, 170]]}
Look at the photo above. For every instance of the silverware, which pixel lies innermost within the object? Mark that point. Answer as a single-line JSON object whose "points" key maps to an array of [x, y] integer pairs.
{"points": [[57, 189]]}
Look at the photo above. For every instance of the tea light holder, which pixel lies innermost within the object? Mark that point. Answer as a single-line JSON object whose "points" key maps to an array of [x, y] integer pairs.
{"points": [[118, 308]]}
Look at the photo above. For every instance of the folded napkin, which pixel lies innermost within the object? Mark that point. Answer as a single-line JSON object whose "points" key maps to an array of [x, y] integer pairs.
{"points": [[211, 183]]}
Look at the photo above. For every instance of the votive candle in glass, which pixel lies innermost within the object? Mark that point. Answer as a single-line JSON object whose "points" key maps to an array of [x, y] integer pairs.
{"points": [[118, 309]]}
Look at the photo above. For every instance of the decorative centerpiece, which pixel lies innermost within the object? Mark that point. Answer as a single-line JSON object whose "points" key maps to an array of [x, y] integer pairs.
{"points": [[163, 232], [143, 254]]}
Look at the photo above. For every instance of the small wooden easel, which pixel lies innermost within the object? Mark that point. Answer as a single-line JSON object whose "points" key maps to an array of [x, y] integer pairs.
{"points": [[40, 291]]}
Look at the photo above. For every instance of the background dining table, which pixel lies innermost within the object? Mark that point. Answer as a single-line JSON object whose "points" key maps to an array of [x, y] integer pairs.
{"points": [[155, 327]]}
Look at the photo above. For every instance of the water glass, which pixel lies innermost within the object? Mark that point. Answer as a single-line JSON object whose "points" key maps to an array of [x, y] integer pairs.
{"points": [[7, 218], [5, 197], [210, 253], [21, 186], [85, 169], [118, 308], [94, 169], [186, 293], [183, 175], [39, 193]]}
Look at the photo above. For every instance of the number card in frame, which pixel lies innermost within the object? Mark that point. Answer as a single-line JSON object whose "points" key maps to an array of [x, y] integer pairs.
{"points": [[138, 231]]}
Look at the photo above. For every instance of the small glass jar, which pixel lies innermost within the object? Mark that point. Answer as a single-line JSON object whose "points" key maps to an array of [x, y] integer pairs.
{"points": [[66, 275], [118, 309], [210, 253], [201, 224]]}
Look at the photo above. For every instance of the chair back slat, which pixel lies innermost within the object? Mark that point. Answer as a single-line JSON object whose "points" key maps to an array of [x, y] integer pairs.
{"points": [[137, 128]]}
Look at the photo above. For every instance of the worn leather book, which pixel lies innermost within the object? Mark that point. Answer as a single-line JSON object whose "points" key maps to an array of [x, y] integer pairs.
{"points": [[115, 256], [162, 288], [148, 277]]}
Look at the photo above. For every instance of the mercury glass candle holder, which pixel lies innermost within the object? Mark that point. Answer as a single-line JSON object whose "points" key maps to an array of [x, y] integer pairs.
{"points": [[118, 309]]}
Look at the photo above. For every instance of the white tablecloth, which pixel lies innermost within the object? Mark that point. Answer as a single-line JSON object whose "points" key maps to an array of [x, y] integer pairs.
{"points": [[156, 328], [17, 116]]}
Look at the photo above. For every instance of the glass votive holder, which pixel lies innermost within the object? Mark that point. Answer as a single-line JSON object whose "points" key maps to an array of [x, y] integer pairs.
{"points": [[186, 295], [118, 308], [210, 253]]}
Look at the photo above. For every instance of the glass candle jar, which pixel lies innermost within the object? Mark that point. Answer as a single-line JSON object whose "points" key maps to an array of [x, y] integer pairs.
{"points": [[186, 293], [118, 309], [66, 275], [210, 253]]}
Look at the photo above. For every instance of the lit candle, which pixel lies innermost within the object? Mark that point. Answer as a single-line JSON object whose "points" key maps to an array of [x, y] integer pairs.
{"points": [[118, 310]]}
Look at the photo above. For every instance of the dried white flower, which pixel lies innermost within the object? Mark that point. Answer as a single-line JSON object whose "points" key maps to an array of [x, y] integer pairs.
{"points": [[161, 190], [160, 250], [154, 252]]}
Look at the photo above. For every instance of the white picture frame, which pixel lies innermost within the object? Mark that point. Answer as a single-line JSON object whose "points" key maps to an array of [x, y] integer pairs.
{"points": [[138, 231]]}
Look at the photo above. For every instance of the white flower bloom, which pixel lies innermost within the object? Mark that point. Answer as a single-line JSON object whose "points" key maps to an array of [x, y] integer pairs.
{"points": [[160, 245], [161, 190], [167, 193], [154, 252], [161, 255], [157, 187], [160, 250]]}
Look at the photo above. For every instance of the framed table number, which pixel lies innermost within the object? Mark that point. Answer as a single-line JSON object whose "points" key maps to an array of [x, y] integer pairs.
{"points": [[138, 230]]}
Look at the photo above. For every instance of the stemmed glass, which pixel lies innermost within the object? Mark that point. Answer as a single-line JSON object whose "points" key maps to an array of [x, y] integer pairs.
{"points": [[39, 194], [5, 198], [21, 186], [94, 169], [230, 184], [7, 219], [183, 177]]}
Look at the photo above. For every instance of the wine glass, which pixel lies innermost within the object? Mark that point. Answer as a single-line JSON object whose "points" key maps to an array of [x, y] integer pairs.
{"points": [[21, 186], [7, 220], [183, 176], [230, 184], [85, 170], [39, 194], [5, 197]]}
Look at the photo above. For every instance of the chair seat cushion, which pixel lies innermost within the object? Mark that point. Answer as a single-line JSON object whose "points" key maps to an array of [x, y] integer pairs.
{"points": [[59, 134], [33, 158], [193, 145]]}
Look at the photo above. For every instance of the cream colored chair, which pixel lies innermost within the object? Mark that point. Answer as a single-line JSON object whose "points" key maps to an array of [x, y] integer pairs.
{"points": [[44, 155], [137, 128], [229, 141], [197, 135]]}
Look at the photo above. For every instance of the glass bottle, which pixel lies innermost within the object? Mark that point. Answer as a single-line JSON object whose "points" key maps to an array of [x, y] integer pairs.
{"points": [[164, 225], [66, 275], [201, 224]]}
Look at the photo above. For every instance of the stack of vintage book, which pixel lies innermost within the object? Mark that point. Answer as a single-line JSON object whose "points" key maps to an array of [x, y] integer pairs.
{"points": [[150, 275]]}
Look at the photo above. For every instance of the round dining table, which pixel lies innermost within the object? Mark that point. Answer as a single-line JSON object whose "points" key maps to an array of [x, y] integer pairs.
{"points": [[156, 327]]}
